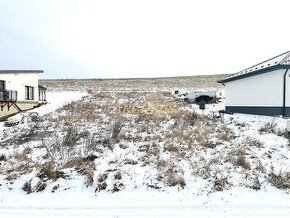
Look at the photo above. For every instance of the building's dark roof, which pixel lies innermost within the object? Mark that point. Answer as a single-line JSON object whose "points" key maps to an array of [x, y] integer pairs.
{"points": [[21, 71], [42, 87], [279, 62]]}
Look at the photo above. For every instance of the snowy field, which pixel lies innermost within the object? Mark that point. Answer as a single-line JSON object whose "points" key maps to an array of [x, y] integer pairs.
{"points": [[234, 203], [238, 168]]}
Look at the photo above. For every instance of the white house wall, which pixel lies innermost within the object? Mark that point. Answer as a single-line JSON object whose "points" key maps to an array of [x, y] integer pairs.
{"points": [[288, 89], [18, 81], [264, 90]]}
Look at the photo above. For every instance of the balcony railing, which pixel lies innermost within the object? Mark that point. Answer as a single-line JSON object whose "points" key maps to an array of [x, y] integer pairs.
{"points": [[8, 95]]}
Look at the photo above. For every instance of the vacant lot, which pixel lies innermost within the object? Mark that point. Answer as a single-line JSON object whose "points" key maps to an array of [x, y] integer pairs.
{"points": [[110, 142]]}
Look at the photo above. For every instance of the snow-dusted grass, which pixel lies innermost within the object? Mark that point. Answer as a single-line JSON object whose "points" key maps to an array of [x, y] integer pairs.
{"points": [[158, 156]]}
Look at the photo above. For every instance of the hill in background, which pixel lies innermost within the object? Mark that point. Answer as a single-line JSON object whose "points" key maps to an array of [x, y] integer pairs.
{"points": [[137, 84]]}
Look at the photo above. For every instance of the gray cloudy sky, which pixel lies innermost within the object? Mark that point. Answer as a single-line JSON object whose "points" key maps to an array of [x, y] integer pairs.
{"points": [[140, 38]]}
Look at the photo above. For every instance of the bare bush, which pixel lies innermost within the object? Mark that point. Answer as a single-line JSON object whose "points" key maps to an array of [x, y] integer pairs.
{"points": [[48, 172], [102, 184], [61, 148], [117, 127], [281, 180], [3, 157], [250, 141], [27, 187], [173, 178], [269, 127], [220, 184], [70, 138], [242, 162]]}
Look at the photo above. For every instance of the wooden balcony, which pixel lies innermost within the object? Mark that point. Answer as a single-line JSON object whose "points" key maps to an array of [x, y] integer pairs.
{"points": [[8, 96]]}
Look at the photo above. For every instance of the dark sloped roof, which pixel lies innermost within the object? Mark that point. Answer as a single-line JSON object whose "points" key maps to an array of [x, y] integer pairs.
{"points": [[21, 71], [42, 87], [279, 62]]}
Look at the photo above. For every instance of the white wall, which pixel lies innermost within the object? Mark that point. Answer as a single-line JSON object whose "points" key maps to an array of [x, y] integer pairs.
{"points": [[261, 90], [18, 81], [288, 89]]}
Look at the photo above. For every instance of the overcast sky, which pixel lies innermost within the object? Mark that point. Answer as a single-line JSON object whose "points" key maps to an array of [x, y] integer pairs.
{"points": [[140, 38]]}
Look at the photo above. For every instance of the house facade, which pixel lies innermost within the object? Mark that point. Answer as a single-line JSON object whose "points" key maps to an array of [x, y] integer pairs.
{"points": [[262, 89], [19, 90]]}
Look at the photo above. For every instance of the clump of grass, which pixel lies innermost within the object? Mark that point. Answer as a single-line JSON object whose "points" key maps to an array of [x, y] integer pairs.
{"points": [[243, 162], [102, 184], [269, 127], [117, 127], [3, 157], [27, 187], [225, 134], [48, 172], [253, 142], [173, 178], [281, 181], [220, 184]]}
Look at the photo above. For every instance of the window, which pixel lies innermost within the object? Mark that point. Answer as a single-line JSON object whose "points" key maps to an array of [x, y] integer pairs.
{"points": [[41, 94], [29, 93], [2, 85]]}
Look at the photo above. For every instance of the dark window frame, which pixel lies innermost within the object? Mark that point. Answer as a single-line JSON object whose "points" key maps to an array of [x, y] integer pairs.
{"points": [[4, 85], [41, 94], [29, 93]]}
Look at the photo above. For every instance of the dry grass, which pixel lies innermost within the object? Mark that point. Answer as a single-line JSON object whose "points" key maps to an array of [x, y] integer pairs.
{"points": [[48, 171], [281, 180], [243, 162]]}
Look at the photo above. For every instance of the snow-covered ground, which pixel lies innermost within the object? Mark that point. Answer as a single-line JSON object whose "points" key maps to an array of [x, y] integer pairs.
{"points": [[228, 172], [144, 203]]}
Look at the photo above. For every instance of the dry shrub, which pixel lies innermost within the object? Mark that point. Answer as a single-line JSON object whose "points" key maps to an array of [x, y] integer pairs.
{"points": [[48, 172], [118, 176], [161, 164], [89, 178], [220, 184], [260, 168], [170, 175], [171, 147], [130, 161], [269, 127], [281, 181], [89, 91], [20, 156], [117, 126], [27, 134], [12, 177], [71, 137], [3, 157], [250, 141], [61, 148], [256, 184], [102, 184], [173, 178], [84, 166], [179, 136], [155, 98], [242, 162], [152, 150], [103, 95], [76, 112], [225, 133], [27, 187]]}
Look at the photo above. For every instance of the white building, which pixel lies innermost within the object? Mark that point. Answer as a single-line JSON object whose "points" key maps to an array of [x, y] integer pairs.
{"points": [[19, 90], [261, 89]]}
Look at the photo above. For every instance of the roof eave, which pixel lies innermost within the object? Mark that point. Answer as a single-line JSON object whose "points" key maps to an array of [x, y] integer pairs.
{"points": [[257, 72], [21, 71]]}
